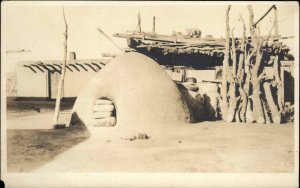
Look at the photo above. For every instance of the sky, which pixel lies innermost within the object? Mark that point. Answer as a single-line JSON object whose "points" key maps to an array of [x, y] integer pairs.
{"points": [[39, 27]]}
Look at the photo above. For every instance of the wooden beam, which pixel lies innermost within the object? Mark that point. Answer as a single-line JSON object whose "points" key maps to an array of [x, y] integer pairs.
{"points": [[263, 16]]}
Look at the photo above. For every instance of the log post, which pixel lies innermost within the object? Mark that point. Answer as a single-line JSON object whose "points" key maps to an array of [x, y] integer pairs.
{"points": [[266, 112], [275, 21], [62, 77], [278, 82], [275, 113], [256, 91], [233, 54], [153, 28], [139, 27], [241, 115], [233, 99], [255, 81], [249, 114], [243, 105], [241, 65], [224, 105]]}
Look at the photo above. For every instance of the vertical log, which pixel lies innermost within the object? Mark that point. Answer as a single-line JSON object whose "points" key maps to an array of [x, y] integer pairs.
{"points": [[243, 105], [244, 83], [233, 54], [241, 65], [278, 82], [249, 114], [237, 114], [241, 114], [62, 77], [282, 85], [153, 28], [255, 81], [243, 100], [275, 113], [256, 90], [266, 112], [251, 26], [233, 99], [246, 88], [139, 27], [224, 106]]}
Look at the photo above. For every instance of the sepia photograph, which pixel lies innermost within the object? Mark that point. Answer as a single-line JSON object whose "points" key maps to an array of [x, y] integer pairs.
{"points": [[147, 94]]}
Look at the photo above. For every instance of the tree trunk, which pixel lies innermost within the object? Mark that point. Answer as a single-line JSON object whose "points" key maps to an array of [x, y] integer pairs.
{"points": [[232, 102], [275, 22], [139, 28], [278, 82], [243, 104], [255, 80], [243, 86], [275, 113], [257, 106], [233, 99], [224, 105], [240, 115], [256, 90], [62, 77], [266, 112], [249, 114], [256, 87]]}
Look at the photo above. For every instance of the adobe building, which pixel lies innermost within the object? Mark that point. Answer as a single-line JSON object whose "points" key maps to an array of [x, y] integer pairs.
{"points": [[40, 79]]}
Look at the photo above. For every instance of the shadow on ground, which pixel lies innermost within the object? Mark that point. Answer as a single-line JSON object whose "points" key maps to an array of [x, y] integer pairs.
{"points": [[29, 149]]}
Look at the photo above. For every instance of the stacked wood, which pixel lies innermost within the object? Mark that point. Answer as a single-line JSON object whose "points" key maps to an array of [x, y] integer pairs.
{"points": [[250, 90], [186, 45], [246, 92], [104, 112]]}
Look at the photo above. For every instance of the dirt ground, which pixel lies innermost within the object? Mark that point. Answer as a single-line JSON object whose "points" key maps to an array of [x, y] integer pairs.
{"points": [[201, 147]]}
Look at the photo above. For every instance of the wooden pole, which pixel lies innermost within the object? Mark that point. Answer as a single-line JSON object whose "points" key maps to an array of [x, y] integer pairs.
{"points": [[255, 81], [276, 115], [115, 44], [224, 106], [233, 99], [275, 22], [233, 55], [241, 114], [62, 77], [241, 65], [266, 112], [278, 82], [153, 29], [139, 28], [273, 6]]}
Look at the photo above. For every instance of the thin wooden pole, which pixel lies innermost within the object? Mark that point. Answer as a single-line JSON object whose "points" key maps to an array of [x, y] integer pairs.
{"points": [[224, 106], [153, 29], [62, 77], [255, 80], [116, 45], [139, 28], [275, 22], [273, 6]]}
